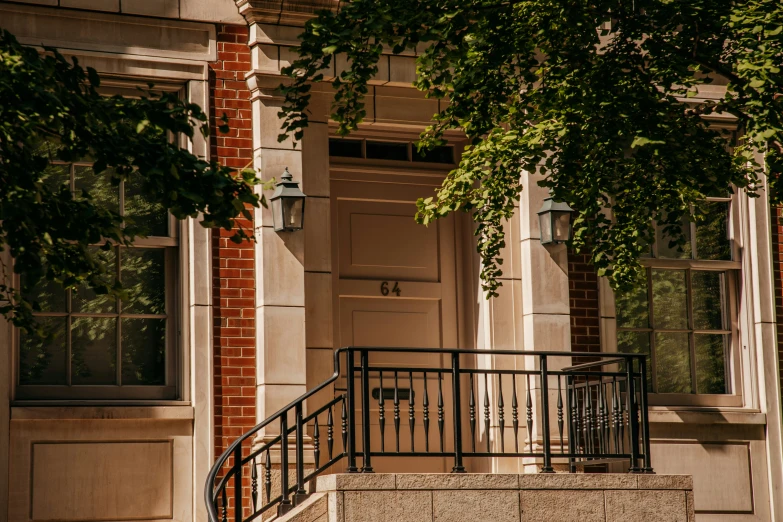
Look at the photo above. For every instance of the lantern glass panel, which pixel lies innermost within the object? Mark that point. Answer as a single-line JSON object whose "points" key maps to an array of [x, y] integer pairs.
{"points": [[293, 213], [546, 227], [277, 214], [561, 223]]}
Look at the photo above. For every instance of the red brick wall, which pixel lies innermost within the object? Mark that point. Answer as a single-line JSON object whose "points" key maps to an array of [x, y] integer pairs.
{"points": [[233, 277], [583, 300], [777, 269]]}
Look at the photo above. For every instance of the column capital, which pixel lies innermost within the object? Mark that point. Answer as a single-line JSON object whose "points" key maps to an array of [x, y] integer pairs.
{"points": [[285, 12]]}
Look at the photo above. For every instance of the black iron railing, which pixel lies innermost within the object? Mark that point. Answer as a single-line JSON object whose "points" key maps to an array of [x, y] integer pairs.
{"points": [[455, 409]]}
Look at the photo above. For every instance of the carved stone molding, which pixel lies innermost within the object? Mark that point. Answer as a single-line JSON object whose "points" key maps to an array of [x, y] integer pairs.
{"points": [[282, 12]]}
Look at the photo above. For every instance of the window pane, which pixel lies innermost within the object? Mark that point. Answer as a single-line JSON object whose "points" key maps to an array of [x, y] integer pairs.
{"points": [[632, 309], [636, 342], [144, 277], [85, 300], [144, 213], [669, 299], [711, 363], [56, 176], [50, 296], [143, 351], [712, 240], [443, 154], [345, 148], [94, 350], [386, 150], [708, 300], [42, 360], [665, 241], [104, 193], [673, 363]]}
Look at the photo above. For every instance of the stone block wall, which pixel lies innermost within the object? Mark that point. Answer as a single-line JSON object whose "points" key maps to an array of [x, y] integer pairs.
{"points": [[499, 498]]}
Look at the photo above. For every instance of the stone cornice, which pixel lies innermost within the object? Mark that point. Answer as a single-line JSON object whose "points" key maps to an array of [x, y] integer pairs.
{"points": [[282, 12]]}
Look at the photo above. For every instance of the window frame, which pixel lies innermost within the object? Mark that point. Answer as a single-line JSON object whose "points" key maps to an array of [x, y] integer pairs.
{"points": [[170, 390], [733, 270]]}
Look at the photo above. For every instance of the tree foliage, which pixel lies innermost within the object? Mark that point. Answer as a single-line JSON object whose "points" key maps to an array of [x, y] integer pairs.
{"points": [[609, 100], [52, 110]]}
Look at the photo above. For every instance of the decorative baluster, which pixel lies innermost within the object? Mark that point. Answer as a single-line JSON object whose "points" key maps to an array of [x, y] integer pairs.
{"points": [[344, 425], [515, 412], [596, 426], [426, 415], [607, 424], [529, 413], [411, 416], [254, 484], [396, 413], [472, 406], [585, 423], [501, 415], [623, 416], [224, 506], [268, 476], [440, 409], [316, 443], [486, 413], [615, 416], [330, 433], [560, 412], [576, 417], [589, 417], [381, 411], [600, 414]]}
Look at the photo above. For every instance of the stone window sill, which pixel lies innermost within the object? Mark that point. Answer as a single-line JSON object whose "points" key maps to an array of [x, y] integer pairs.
{"points": [[659, 414], [164, 410]]}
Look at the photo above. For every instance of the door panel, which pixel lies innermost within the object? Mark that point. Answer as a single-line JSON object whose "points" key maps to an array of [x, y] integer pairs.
{"points": [[395, 284]]}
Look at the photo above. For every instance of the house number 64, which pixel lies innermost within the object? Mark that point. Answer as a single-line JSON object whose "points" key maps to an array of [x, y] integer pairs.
{"points": [[385, 288]]}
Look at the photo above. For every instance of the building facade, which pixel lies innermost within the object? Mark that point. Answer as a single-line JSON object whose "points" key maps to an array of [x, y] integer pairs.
{"points": [[231, 333]]}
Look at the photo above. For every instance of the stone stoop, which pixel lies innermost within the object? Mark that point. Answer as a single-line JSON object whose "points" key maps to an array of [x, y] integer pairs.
{"points": [[314, 509], [412, 497]]}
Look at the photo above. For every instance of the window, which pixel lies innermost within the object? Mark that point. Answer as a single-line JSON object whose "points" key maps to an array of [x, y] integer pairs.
{"points": [[389, 150], [682, 317], [97, 346]]}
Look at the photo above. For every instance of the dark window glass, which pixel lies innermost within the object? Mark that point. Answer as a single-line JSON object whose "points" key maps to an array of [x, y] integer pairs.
{"points": [[387, 151], [682, 325], [343, 148], [712, 241], [91, 339], [436, 155]]}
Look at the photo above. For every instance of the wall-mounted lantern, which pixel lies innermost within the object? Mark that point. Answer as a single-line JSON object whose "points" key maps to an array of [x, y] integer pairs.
{"points": [[554, 220], [287, 204]]}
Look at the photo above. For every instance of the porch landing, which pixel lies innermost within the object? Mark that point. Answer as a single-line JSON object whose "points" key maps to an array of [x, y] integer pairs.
{"points": [[403, 497]]}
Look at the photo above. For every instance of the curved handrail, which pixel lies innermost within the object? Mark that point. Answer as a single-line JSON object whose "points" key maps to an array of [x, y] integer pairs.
{"points": [[579, 371], [209, 490]]}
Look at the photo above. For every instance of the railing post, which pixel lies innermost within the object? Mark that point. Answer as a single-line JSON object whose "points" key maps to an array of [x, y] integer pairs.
{"points": [[570, 414], [633, 417], [285, 502], [547, 467], [238, 484], [350, 391], [366, 464], [456, 400], [300, 494], [645, 416]]}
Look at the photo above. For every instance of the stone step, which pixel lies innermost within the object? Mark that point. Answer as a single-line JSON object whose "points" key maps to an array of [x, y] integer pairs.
{"points": [[414, 497]]}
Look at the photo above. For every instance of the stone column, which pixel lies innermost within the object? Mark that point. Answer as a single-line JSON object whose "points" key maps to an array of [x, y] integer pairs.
{"points": [[545, 306], [280, 302]]}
